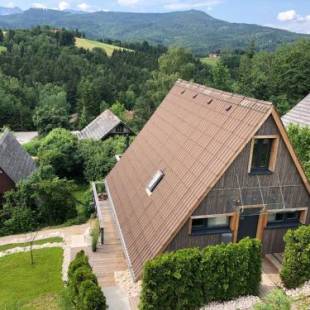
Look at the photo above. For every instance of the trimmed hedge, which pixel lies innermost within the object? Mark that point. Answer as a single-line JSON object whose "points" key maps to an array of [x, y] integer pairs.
{"points": [[85, 292], [296, 262], [190, 278]]}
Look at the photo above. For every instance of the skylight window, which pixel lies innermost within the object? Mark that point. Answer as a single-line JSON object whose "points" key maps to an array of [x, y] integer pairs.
{"points": [[154, 181]]}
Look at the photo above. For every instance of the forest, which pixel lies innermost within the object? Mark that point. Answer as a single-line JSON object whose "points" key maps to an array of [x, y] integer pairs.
{"points": [[47, 82]]}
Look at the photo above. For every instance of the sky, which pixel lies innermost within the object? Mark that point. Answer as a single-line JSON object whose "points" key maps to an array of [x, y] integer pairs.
{"points": [[293, 15]]}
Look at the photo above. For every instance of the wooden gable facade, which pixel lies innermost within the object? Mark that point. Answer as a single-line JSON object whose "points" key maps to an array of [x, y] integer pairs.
{"points": [[250, 199]]}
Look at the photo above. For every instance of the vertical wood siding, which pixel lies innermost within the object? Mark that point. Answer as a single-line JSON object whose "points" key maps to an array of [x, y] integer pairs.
{"points": [[283, 187]]}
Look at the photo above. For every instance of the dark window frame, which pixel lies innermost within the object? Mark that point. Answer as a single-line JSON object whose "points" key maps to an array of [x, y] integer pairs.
{"points": [[261, 155], [204, 229], [283, 219]]}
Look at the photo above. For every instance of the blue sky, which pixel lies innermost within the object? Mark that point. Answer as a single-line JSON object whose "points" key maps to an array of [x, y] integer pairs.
{"points": [[288, 14]]}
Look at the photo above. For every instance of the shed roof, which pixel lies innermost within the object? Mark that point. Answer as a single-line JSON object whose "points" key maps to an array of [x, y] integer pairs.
{"points": [[193, 137], [300, 114], [100, 126], [14, 160]]}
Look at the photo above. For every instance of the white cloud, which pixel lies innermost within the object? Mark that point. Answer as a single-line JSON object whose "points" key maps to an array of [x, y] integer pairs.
{"points": [[291, 20], [38, 5], [10, 5], [84, 7], [127, 2], [287, 15], [63, 5], [178, 5]]}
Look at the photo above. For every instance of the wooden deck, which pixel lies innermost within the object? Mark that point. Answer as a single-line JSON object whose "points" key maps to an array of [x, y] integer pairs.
{"points": [[109, 256]]}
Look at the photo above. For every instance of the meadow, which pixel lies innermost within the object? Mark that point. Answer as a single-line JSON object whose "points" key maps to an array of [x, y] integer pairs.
{"points": [[90, 44]]}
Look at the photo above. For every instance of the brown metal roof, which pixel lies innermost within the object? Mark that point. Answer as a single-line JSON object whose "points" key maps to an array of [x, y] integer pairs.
{"points": [[193, 137]]}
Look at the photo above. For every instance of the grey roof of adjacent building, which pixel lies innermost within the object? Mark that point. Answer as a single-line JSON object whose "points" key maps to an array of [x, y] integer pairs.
{"points": [[100, 126], [299, 115], [14, 160]]}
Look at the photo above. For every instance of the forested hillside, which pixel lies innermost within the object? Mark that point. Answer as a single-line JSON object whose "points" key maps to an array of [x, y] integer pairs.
{"points": [[47, 82], [194, 30]]}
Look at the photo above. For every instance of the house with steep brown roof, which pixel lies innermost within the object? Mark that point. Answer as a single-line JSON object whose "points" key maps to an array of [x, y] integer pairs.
{"points": [[208, 167], [15, 163], [105, 125], [299, 115]]}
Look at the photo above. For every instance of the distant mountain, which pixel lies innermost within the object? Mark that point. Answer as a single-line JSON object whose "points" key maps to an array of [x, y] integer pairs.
{"points": [[191, 29], [9, 11]]}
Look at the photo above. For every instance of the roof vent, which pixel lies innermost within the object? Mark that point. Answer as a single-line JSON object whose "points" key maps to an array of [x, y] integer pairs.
{"points": [[183, 91], [154, 181], [228, 109], [195, 96], [210, 101]]}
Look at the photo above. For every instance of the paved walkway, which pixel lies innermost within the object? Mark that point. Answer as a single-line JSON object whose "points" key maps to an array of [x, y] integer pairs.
{"points": [[270, 277]]}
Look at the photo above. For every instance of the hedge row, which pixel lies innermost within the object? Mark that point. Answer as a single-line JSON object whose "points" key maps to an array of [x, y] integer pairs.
{"points": [[190, 278], [85, 292], [296, 262]]}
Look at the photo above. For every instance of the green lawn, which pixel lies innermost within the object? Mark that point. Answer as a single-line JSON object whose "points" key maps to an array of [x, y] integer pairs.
{"points": [[209, 61], [26, 286], [23, 244], [2, 49], [90, 44]]}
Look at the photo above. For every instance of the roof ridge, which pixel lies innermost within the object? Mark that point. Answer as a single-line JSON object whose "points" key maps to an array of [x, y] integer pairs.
{"points": [[193, 85]]}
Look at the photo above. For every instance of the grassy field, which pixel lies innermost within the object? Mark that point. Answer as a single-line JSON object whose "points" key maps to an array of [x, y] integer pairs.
{"points": [[2, 49], [24, 244], [25, 286], [209, 61], [90, 44]]}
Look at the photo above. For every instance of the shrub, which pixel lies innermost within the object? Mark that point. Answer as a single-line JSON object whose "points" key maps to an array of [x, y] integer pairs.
{"points": [[173, 281], [60, 150], [80, 275], [95, 236], [33, 146], [231, 270], [187, 279], [276, 300], [91, 297], [80, 260], [84, 290], [296, 262]]}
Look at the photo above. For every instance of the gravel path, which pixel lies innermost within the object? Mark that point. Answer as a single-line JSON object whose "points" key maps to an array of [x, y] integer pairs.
{"points": [[73, 236]]}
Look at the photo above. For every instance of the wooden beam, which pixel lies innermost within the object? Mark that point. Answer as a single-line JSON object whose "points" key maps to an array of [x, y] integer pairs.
{"points": [[262, 222], [274, 154], [236, 226], [251, 155]]}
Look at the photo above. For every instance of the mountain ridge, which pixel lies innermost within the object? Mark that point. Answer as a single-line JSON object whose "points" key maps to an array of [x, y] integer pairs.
{"points": [[193, 29], [4, 11]]}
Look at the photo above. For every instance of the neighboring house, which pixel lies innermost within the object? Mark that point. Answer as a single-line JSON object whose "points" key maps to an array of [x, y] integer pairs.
{"points": [[299, 115], [208, 167], [15, 163], [104, 126]]}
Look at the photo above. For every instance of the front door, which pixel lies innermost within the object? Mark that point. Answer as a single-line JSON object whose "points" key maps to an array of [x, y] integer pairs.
{"points": [[247, 225]]}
